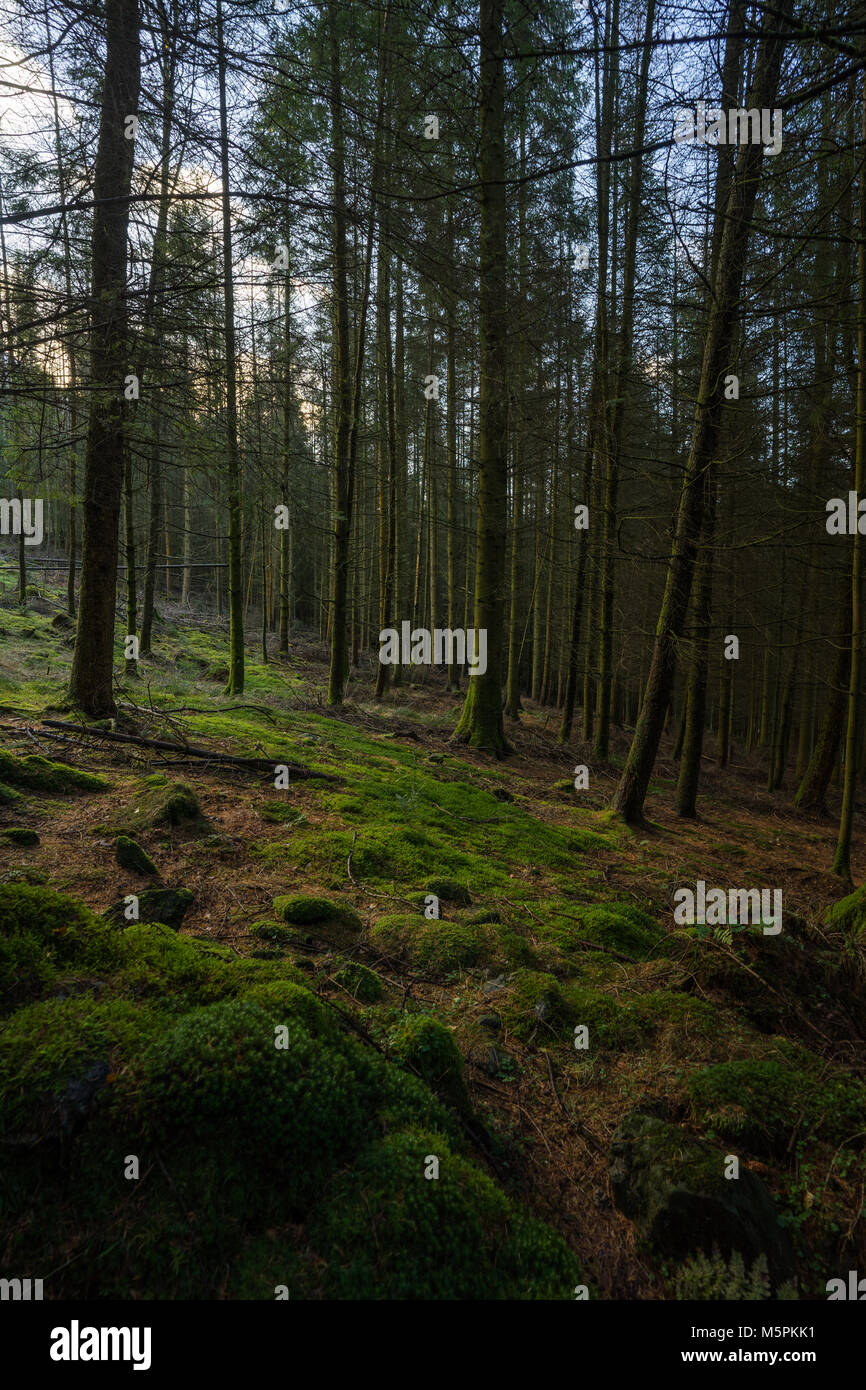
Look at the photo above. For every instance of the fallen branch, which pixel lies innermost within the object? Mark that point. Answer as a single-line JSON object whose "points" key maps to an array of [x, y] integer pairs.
{"points": [[190, 751]]}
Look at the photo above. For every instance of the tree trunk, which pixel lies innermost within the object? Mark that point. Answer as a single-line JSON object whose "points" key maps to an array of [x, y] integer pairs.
{"points": [[92, 663], [481, 720]]}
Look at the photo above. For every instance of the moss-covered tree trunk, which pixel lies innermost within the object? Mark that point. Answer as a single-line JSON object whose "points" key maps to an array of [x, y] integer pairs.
{"points": [[92, 663]]}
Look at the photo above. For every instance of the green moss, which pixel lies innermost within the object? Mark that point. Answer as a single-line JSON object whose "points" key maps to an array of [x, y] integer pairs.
{"points": [[271, 931], [155, 962], [130, 855], [19, 835], [167, 905], [425, 1046], [43, 933], [621, 926], [9, 797], [47, 1045], [449, 891], [849, 914], [302, 1108], [40, 775], [280, 813], [359, 981], [769, 1104], [432, 944], [403, 1236], [533, 1007], [304, 911], [159, 802]]}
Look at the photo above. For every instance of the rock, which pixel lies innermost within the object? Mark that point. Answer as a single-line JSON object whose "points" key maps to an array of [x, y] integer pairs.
{"points": [[62, 621], [491, 1023], [130, 855], [674, 1189], [492, 986], [166, 905]]}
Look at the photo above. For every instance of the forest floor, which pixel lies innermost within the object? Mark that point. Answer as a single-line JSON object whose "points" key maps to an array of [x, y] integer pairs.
{"points": [[553, 914]]}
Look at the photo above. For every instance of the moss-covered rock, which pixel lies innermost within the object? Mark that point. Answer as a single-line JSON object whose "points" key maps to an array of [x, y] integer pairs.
{"points": [[166, 905], [160, 802], [425, 1046], [302, 910], [40, 775], [19, 835], [274, 932], [675, 1190], [130, 855], [8, 796], [533, 1007], [767, 1103], [433, 945], [359, 981]]}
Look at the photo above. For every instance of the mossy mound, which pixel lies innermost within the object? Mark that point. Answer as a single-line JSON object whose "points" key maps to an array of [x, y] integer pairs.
{"points": [[166, 905], [302, 911], [274, 932], [435, 946], [19, 835], [621, 926], [154, 962], [402, 1235], [160, 802], [426, 1047], [130, 855], [359, 981], [449, 890], [617, 1025], [284, 1137], [534, 1009], [8, 796], [42, 935], [39, 775], [47, 1047], [768, 1104]]}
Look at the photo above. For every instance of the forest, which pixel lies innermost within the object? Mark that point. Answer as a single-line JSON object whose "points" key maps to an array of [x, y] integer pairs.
{"points": [[432, 752]]}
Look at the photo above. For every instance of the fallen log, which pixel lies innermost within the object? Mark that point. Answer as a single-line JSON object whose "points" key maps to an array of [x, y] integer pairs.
{"points": [[188, 750]]}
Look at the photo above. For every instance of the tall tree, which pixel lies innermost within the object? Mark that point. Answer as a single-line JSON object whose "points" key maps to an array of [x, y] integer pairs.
{"points": [[480, 723], [91, 683]]}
